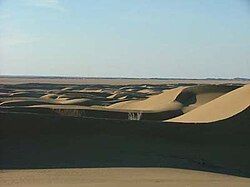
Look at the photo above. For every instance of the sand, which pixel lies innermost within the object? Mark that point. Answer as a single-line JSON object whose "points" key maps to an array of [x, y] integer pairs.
{"points": [[184, 98], [220, 108], [162, 102], [49, 96], [113, 177], [21, 102], [195, 96]]}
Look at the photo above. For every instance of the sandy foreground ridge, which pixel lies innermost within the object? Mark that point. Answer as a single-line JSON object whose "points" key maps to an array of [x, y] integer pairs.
{"points": [[129, 134]]}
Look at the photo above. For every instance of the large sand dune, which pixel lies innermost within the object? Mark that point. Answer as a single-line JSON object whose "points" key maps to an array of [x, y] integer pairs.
{"points": [[223, 107], [195, 96], [180, 98]]}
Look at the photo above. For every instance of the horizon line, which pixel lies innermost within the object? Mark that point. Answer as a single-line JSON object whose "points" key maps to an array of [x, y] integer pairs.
{"points": [[102, 77]]}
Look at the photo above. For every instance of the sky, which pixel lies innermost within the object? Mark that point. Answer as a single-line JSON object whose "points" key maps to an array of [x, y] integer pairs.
{"points": [[125, 38]]}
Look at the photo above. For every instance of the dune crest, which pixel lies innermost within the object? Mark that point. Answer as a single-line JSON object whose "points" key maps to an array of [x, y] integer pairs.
{"points": [[220, 108]]}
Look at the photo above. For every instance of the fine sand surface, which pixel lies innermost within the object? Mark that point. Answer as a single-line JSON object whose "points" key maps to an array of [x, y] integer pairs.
{"points": [[114, 177]]}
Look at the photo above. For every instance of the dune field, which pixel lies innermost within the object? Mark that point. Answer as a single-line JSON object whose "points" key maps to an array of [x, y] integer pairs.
{"points": [[140, 129]]}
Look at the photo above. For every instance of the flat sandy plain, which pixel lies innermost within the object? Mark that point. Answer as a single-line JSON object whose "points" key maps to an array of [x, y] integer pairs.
{"points": [[124, 132]]}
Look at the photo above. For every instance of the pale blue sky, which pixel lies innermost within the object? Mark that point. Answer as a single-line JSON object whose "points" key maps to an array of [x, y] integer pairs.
{"points": [[125, 38]]}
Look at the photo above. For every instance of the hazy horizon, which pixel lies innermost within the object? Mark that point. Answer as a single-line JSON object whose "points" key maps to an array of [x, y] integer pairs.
{"points": [[134, 39]]}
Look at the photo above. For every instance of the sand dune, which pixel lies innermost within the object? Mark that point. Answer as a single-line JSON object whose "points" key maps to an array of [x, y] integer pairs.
{"points": [[91, 90], [223, 107], [127, 95], [112, 96], [65, 101], [21, 102], [26, 94], [161, 102], [68, 88], [18, 93], [147, 91], [195, 96], [180, 98], [49, 96]]}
